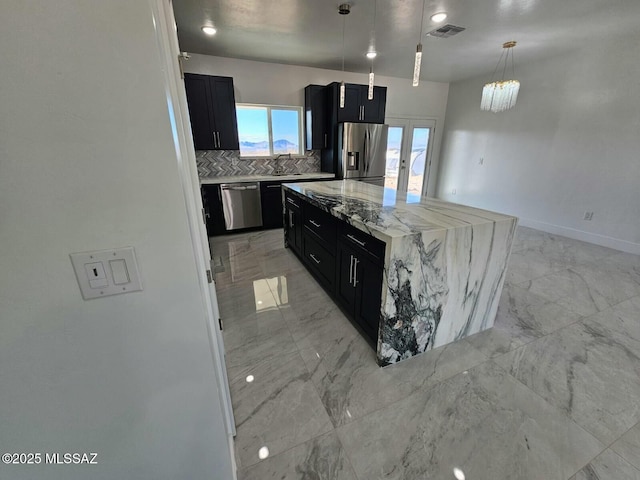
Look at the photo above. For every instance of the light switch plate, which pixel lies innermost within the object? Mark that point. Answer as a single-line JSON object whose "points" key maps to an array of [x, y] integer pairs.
{"points": [[106, 272]]}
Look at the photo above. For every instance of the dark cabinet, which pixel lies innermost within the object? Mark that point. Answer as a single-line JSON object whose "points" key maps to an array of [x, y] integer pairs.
{"points": [[359, 287], [212, 110], [357, 107], [271, 199], [293, 223], [212, 204], [315, 109]]}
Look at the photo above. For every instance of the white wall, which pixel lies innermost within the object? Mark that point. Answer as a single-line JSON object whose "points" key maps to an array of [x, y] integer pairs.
{"points": [[87, 161], [270, 83], [570, 145]]}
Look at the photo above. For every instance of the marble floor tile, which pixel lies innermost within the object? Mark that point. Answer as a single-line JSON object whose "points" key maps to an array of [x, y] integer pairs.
{"points": [[583, 290], [608, 466], [528, 316], [270, 340], [351, 385], [278, 410], [529, 238], [483, 423], [623, 318], [587, 371], [321, 458], [628, 446], [495, 341], [530, 264]]}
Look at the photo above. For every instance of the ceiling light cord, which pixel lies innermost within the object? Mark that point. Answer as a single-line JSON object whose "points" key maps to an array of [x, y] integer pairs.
{"points": [[421, 22]]}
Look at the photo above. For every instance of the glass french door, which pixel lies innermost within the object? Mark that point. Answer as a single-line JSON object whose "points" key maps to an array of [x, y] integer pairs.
{"points": [[409, 155]]}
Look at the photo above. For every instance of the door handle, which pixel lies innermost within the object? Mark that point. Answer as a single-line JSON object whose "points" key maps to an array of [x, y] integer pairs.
{"points": [[314, 258]]}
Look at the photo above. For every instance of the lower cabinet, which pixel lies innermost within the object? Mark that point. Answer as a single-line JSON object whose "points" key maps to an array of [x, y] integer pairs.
{"points": [[212, 204], [271, 199], [293, 223], [347, 262], [359, 287]]}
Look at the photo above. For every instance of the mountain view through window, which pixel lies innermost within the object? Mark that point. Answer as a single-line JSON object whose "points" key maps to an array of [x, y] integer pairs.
{"points": [[266, 130]]}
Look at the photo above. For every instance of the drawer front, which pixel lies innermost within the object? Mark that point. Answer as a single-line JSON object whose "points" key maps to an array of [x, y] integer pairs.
{"points": [[294, 203], [364, 242], [319, 260], [322, 225]]}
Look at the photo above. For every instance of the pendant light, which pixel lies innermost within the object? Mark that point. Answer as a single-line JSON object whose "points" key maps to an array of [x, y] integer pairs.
{"points": [[498, 96], [418, 59], [343, 10], [372, 51]]}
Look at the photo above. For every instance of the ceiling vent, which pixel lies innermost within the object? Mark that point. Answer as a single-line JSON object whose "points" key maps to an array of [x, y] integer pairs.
{"points": [[446, 31]]}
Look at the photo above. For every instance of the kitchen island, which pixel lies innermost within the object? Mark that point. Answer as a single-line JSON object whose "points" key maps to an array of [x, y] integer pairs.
{"points": [[415, 273]]}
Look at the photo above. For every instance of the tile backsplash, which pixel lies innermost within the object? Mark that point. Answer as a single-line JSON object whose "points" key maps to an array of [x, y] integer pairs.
{"points": [[222, 163]]}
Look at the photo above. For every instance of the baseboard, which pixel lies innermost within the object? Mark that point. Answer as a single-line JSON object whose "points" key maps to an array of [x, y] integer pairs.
{"points": [[615, 243]]}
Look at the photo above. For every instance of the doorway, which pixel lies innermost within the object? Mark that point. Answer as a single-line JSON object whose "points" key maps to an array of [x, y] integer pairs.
{"points": [[408, 160]]}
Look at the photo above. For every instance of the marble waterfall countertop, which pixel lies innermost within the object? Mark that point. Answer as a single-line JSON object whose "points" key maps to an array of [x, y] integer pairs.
{"points": [[266, 178], [444, 266]]}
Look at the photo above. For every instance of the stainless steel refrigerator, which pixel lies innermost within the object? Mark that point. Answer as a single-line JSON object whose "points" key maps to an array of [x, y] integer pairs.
{"points": [[362, 149]]}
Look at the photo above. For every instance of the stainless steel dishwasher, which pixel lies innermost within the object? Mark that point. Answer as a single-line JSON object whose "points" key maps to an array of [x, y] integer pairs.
{"points": [[241, 205]]}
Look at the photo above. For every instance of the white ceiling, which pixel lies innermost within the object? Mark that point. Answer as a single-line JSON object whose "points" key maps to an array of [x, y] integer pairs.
{"points": [[309, 32]]}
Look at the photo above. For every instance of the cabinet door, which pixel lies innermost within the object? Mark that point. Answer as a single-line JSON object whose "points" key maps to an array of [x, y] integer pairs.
{"points": [[271, 199], [315, 106], [198, 100], [293, 225], [374, 110], [212, 203], [351, 111], [345, 290], [368, 280], [223, 106]]}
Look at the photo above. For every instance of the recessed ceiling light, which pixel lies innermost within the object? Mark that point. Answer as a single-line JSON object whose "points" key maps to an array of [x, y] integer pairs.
{"points": [[209, 30], [438, 17], [372, 54]]}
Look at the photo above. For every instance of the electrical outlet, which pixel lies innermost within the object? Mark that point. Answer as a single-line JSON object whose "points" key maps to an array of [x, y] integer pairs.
{"points": [[588, 216]]}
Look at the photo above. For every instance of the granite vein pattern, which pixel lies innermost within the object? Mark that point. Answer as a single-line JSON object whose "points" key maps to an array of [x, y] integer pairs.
{"points": [[444, 263]]}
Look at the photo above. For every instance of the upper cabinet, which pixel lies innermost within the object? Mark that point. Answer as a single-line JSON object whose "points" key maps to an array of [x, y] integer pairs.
{"points": [[212, 110], [357, 107], [315, 117]]}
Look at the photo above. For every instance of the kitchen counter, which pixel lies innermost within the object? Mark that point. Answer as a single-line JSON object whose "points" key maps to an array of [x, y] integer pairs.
{"points": [[265, 178], [444, 263]]}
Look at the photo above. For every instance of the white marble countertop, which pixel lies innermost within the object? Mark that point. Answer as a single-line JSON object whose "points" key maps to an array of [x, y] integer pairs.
{"points": [[386, 214], [265, 178]]}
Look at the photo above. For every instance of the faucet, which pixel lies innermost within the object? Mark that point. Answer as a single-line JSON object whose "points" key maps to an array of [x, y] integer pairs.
{"points": [[279, 169]]}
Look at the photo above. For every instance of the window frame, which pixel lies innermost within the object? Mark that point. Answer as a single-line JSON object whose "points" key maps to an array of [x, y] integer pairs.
{"points": [[269, 108]]}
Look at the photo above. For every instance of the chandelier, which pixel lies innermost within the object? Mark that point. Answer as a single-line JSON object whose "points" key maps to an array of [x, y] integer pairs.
{"points": [[501, 95]]}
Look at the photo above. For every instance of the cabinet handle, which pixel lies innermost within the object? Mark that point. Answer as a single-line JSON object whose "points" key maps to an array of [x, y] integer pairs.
{"points": [[273, 186], [290, 218], [314, 258], [325, 140], [363, 111], [317, 225], [218, 135], [355, 271], [292, 202], [351, 270], [351, 237], [215, 140]]}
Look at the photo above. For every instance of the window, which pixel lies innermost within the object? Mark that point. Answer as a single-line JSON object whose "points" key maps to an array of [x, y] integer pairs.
{"points": [[266, 130]]}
